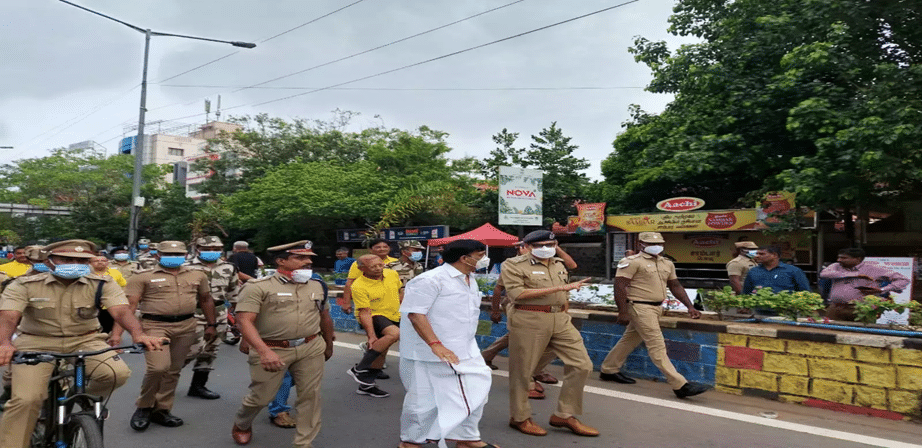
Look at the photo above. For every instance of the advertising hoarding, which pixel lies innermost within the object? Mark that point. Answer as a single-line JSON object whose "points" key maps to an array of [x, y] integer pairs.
{"points": [[520, 195]]}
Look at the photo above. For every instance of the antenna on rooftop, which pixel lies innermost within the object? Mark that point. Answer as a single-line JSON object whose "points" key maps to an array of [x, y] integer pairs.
{"points": [[217, 113], [207, 109]]}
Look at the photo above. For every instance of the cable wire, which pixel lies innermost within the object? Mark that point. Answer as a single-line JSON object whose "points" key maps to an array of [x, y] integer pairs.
{"points": [[412, 89]]}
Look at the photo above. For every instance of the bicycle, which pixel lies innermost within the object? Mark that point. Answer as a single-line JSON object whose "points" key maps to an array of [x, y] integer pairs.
{"points": [[59, 426]]}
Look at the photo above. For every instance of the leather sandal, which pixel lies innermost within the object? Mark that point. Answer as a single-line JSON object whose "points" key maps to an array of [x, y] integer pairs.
{"points": [[283, 420]]}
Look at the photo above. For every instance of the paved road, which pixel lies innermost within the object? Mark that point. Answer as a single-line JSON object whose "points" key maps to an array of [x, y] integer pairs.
{"points": [[641, 415]]}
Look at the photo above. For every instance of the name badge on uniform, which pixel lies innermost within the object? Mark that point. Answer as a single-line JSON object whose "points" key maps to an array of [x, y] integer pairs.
{"points": [[537, 272], [155, 280], [283, 294], [39, 299]]}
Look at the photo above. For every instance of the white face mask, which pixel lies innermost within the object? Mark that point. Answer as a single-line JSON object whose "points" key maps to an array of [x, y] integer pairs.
{"points": [[482, 263], [653, 250], [544, 252], [301, 275]]}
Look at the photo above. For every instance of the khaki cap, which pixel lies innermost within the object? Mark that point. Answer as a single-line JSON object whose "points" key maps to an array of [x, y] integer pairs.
{"points": [[72, 248], [746, 244], [302, 247], [171, 247], [651, 237], [209, 241], [410, 244], [153, 246], [144, 241], [36, 253]]}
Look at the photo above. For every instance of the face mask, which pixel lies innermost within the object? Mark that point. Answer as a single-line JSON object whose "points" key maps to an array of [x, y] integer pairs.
{"points": [[301, 275], [40, 267], [172, 261], [120, 257], [482, 263], [71, 270], [153, 251], [544, 252], [142, 246], [751, 253], [653, 250], [416, 256], [209, 256]]}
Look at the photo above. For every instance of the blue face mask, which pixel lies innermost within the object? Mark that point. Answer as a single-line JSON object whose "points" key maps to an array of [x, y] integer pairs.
{"points": [[40, 267], [416, 256], [120, 257], [172, 261], [209, 256], [71, 270], [153, 251], [142, 246], [751, 253]]}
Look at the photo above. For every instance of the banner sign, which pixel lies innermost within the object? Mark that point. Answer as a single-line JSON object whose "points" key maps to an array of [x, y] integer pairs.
{"points": [[745, 219], [394, 234], [900, 265], [680, 204], [718, 247], [591, 218], [520, 196], [775, 202]]}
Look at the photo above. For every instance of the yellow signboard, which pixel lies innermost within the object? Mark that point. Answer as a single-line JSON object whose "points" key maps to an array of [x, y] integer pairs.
{"points": [[718, 247], [709, 221]]}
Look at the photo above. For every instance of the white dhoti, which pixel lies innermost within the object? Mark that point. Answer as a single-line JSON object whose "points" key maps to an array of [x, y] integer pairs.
{"points": [[443, 401]]}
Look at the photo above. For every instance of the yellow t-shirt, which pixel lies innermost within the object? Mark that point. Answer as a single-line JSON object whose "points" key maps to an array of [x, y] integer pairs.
{"points": [[355, 272], [382, 297], [15, 268], [117, 276]]}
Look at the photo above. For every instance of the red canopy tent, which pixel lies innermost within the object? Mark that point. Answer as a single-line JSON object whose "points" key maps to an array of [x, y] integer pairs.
{"points": [[486, 234]]}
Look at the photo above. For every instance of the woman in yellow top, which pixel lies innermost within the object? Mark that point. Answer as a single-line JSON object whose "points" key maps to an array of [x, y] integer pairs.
{"points": [[100, 266]]}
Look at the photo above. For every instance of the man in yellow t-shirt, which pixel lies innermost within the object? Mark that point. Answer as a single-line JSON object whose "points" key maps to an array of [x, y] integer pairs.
{"points": [[100, 265], [377, 295], [377, 247], [20, 264]]}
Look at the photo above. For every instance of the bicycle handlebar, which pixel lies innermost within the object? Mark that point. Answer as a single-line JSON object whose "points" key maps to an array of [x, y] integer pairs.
{"points": [[33, 358]]}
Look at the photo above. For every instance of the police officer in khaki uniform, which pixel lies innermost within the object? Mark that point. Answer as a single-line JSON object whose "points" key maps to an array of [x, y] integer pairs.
{"points": [[537, 320], [738, 267], [147, 258], [640, 289], [408, 265], [56, 311], [285, 319], [167, 296], [121, 262], [222, 277]]}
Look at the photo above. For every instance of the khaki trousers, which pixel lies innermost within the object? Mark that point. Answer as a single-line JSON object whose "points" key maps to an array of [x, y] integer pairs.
{"points": [[305, 362], [30, 383], [644, 327], [162, 375], [531, 333], [204, 353], [498, 345]]}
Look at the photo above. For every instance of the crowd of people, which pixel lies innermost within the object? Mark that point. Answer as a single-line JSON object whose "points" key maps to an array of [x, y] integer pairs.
{"points": [[67, 296]]}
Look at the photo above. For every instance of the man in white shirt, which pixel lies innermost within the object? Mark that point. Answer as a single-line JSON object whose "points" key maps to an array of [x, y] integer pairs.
{"points": [[446, 379]]}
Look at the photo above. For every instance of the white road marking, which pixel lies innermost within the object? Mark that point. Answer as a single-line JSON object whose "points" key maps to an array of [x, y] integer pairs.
{"points": [[756, 420]]}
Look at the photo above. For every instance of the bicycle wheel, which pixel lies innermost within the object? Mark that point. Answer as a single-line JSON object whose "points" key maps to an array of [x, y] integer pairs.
{"points": [[83, 432]]}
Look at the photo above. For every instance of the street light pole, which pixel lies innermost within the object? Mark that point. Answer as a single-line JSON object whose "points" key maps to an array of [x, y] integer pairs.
{"points": [[136, 199]]}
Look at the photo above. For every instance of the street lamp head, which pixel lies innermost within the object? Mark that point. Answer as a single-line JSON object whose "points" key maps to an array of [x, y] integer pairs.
{"points": [[243, 44]]}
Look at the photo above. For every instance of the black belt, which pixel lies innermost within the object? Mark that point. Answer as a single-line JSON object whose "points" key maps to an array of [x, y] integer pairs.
{"points": [[645, 303], [162, 318], [218, 302]]}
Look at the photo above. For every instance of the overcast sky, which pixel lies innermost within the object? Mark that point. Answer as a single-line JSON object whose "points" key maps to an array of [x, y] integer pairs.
{"points": [[69, 76]]}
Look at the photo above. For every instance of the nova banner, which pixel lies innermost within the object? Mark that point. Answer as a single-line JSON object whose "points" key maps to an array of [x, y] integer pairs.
{"points": [[520, 195]]}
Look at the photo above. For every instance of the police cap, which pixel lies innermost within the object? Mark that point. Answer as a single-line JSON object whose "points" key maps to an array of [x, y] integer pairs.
{"points": [[72, 248], [302, 247], [651, 237], [171, 247], [209, 241], [537, 236]]}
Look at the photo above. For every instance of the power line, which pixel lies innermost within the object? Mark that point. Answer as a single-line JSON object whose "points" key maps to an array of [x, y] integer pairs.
{"points": [[264, 40], [384, 45], [414, 89], [476, 47]]}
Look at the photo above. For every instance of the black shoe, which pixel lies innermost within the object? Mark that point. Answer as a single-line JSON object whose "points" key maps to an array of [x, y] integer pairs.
{"points": [[363, 377], [140, 420], [7, 394], [198, 389], [382, 376], [372, 391], [617, 377], [689, 390], [164, 418]]}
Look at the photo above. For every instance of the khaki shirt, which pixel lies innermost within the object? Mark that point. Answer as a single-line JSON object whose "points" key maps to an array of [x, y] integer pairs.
{"points": [[740, 266], [285, 310], [127, 270], [648, 275], [526, 272], [166, 293], [222, 277], [147, 261], [51, 308], [406, 269]]}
